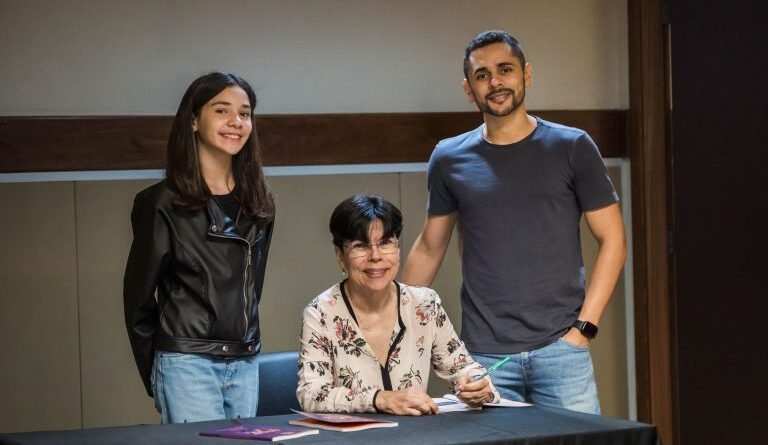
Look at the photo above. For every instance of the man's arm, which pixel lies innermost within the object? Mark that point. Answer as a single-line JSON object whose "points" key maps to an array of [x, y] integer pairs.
{"points": [[428, 251], [607, 226]]}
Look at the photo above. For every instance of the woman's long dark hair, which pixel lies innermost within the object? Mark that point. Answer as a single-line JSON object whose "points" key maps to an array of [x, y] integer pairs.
{"points": [[182, 162]]}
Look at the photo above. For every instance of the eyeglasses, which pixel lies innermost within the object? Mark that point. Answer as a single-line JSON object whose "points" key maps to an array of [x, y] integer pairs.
{"points": [[358, 249]]}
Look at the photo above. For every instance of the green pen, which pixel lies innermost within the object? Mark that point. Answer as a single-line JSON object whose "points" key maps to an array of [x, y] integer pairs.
{"points": [[495, 366]]}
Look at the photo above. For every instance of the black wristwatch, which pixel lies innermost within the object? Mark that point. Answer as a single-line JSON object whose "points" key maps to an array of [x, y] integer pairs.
{"points": [[586, 328]]}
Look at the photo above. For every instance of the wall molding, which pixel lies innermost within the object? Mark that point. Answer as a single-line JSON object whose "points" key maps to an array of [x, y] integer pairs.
{"points": [[88, 143]]}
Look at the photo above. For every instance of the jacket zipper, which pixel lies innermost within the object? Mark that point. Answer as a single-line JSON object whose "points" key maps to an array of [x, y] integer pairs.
{"points": [[245, 287], [245, 275]]}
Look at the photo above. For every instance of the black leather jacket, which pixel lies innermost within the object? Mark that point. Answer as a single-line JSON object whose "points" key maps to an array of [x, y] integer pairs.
{"points": [[193, 280]]}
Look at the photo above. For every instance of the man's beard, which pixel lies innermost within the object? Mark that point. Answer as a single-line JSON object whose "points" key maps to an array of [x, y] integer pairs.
{"points": [[485, 106]]}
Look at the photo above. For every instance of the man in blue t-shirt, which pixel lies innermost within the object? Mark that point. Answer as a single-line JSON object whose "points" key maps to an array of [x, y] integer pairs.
{"points": [[518, 186]]}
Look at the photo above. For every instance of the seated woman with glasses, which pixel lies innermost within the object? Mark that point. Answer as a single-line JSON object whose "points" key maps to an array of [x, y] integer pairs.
{"points": [[368, 343]]}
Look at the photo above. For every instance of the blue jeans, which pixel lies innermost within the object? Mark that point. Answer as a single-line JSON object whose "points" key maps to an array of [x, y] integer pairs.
{"points": [[193, 388], [559, 375]]}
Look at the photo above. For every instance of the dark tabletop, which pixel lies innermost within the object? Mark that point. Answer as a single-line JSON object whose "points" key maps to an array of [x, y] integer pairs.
{"points": [[528, 425]]}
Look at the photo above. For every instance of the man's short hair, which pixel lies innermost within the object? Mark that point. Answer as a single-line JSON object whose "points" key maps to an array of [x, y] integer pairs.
{"points": [[488, 38]]}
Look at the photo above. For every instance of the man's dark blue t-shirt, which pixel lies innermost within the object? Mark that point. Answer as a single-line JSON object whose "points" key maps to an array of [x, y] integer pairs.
{"points": [[519, 210]]}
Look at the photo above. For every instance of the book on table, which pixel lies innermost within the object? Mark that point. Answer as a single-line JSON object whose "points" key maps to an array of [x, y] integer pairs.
{"points": [[506, 403], [450, 403], [339, 422], [270, 433]]}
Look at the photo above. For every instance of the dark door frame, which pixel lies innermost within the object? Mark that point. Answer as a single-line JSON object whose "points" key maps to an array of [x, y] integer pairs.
{"points": [[648, 140]]}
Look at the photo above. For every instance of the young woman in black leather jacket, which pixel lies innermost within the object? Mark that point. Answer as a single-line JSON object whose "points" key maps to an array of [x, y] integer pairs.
{"points": [[196, 267]]}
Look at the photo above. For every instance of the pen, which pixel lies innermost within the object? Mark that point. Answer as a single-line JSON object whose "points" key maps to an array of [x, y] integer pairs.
{"points": [[495, 366]]}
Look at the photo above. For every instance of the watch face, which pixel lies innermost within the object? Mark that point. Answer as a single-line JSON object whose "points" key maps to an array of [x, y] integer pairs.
{"points": [[589, 330]]}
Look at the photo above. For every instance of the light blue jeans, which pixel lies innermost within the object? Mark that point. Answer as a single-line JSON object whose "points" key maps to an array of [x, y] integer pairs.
{"points": [[559, 375], [196, 387]]}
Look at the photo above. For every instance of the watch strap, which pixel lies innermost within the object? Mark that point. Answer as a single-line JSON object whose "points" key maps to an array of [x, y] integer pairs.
{"points": [[587, 329]]}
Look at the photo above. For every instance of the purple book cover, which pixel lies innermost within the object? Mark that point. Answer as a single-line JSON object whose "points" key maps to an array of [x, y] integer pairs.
{"points": [[260, 432]]}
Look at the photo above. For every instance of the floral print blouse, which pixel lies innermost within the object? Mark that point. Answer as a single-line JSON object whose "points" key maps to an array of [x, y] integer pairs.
{"points": [[338, 371]]}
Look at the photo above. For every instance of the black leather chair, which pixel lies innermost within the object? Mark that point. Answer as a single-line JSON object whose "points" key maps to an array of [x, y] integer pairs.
{"points": [[277, 383]]}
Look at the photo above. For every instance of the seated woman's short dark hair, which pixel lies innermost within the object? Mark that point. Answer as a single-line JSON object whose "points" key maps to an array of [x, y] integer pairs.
{"points": [[352, 218]]}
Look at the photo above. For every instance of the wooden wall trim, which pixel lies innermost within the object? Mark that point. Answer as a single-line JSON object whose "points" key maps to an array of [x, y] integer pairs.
{"points": [[648, 136], [86, 143]]}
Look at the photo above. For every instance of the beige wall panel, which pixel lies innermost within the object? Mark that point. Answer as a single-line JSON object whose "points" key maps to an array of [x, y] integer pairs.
{"points": [[609, 350], [39, 374], [112, 390], [45, 258], [301, 261]]}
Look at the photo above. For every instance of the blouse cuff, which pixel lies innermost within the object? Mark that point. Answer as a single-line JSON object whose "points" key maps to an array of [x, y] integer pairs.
{"points": [[376, 394]]}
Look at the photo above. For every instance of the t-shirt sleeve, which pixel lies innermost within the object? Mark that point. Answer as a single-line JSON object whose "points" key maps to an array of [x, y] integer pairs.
{"points": [[440, 201], [593, 187]]}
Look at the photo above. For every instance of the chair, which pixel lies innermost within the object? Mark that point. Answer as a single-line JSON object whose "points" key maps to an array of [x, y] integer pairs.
{"points": [[277, 383]]}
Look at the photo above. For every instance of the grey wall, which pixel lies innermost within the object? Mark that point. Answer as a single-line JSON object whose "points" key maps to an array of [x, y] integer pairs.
{"points": [[83, 57]]}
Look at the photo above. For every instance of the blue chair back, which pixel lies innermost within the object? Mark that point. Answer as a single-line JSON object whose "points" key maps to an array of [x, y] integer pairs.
{"points": [[277, 383]]}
